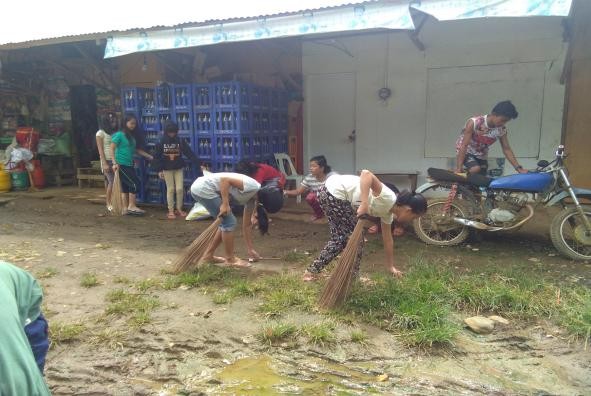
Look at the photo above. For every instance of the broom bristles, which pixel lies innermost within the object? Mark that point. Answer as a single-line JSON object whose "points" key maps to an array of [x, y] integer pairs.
{"points": [[338, 286], [116, 199], [192, 255]]}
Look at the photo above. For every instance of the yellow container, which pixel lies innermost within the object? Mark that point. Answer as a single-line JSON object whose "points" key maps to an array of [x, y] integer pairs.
{"points": [[4, 179]]}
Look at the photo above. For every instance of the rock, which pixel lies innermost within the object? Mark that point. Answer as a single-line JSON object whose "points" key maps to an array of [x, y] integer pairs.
{"points": [[382, 377], [480, 324], [499, 319]]}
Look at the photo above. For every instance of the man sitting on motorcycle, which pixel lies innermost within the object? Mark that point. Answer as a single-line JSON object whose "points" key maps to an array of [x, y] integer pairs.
{"points": [[480, 133]]}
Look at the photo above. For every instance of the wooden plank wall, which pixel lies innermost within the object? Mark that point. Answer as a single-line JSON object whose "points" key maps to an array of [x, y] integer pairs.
{"points": [[578, 100]]}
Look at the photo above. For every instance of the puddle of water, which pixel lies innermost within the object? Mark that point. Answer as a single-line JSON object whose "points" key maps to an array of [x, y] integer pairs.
{"points": [[263, 375]]}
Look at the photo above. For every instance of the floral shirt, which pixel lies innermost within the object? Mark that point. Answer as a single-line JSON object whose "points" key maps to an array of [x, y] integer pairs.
{"points": [[482, 138]]}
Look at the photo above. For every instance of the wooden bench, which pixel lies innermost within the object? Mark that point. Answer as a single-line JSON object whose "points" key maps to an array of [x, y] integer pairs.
{"points": [[90, 175], [412, 176]]}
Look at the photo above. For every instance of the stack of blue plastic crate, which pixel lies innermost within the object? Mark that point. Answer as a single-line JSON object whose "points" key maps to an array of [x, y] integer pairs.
{"points": [[222, 122]]}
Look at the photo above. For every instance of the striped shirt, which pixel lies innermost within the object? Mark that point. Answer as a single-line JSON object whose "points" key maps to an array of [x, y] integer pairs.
{"points": [[310, 182]]}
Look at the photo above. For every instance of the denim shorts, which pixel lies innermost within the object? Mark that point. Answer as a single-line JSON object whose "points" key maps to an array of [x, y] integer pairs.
{"points": [[213, 207]]}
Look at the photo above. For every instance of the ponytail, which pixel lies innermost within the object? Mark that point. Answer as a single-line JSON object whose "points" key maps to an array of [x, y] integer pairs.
{"points": [[414, 200], [263, 219]]}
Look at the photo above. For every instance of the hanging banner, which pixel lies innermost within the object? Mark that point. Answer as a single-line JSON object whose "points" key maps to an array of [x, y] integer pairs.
{"points": [[446, 10], [382, 15]]}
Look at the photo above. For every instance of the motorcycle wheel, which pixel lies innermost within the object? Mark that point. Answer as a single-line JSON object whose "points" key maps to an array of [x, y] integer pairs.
{"points": [[567, 232], [438, 228]]}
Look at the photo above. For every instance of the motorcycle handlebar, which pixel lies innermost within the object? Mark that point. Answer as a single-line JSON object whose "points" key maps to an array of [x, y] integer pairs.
{"points": [[560, 151]]}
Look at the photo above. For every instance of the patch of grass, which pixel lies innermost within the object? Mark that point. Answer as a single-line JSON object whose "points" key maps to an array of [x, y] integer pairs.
{"points": [[136, 306], [415, 306], [294, 256], [282, 292], [200, 277], [147, 284], [320, 334], [107, 337], [236, 288], [60, 333], [48, 272], [575, 312], [122, 280], [359, 337], [277, 332], [89, 280]]}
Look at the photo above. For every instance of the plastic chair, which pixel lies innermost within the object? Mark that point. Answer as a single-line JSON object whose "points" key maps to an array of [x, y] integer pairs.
{"points": [[282, 160]]}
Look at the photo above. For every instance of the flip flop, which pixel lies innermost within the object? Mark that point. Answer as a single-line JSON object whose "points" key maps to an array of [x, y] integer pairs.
{"points": [[171, 216], [240, 264], [135, 213]]}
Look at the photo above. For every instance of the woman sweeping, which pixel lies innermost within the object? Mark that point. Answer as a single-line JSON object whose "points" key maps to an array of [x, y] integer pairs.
{"points": [[319, 172], [345, 197], [213, 191]]}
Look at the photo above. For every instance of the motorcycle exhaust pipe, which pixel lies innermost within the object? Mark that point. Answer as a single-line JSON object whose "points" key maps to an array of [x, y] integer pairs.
{"points": [[476, 224], [481, 226]]}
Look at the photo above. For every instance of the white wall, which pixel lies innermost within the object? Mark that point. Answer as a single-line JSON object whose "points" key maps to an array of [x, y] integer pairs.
{"points": [[392, 135]]}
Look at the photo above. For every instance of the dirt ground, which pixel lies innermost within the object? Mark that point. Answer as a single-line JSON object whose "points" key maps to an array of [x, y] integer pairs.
{"points": [[193, 346]]}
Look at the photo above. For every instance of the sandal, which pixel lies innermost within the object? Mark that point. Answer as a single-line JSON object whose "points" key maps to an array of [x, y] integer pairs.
{"points": [[171, 216], [180, 213], [239, 263]]}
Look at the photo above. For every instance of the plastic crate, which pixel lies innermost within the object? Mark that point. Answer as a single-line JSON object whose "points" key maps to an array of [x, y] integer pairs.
{"points": [[131, 99], [227, 165], [204, 146], [231, 121], [154, 188], [183, 97], [283, 123], [202, 97], [164, 98], [188, 138], [260, 97], [189, 172], [184, 120], [148, 102], [260, 122], [149, 122], [260, 146], [208, 164], [188, 198], [203, 122], [163, 118], [232, 147], [268, 159], [279, 144], [231, 94], [152, 138]]}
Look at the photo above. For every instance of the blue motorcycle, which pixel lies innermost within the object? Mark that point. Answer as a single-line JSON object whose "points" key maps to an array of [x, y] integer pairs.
{"points": [[506, 203]]}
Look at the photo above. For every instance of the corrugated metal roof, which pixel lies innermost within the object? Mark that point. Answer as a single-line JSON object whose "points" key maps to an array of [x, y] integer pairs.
{"points": [[54, 22]]}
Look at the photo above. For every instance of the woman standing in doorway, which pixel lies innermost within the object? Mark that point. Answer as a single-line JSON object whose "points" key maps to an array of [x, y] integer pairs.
{"points": [[103, 143], [124, 146], [319, 172]]}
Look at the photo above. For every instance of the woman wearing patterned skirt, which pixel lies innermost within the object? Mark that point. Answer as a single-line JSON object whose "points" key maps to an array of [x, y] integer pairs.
{"points": [[345, 197]]}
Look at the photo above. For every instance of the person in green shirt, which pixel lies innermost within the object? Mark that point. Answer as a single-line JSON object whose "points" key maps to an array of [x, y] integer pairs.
{"points": [[123, 147], [20, 302]]}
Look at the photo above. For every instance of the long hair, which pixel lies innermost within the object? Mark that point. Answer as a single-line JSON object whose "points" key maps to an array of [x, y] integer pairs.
{"points": [[106, 123], [414, 200], [129, 133], [245, 167], [270, 201], [321, 161]]}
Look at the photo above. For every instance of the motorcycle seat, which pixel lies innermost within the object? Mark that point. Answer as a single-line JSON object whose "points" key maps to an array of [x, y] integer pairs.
{"points": [[448, 176], [445, 175]]}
